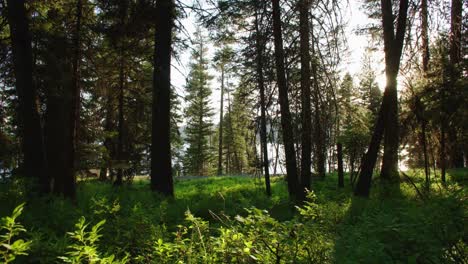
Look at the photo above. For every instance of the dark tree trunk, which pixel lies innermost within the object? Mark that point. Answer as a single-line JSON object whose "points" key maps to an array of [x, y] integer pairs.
{"points": [[54, 139], [261, 86], [220, 144], [455, 147], [425, 61], [424, 144], [424, 36], [34, 162], [306, 119], [368, 160], [318, 132], [339, 148], [75, 98], [109, 155], [291, 166], [161, 168], [387, 122], [58, 114], [120, 127], [393, 46], [455, 32], [443, 152]]}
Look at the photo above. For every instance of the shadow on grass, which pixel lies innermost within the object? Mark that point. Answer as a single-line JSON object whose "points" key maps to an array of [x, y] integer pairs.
{"points": [[396, 226]]}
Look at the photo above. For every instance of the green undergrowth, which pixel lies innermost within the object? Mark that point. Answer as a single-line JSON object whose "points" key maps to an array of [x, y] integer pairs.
{"points": [[231, 220]]}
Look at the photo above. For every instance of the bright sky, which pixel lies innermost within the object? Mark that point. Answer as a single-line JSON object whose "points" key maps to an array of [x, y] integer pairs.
{"points": [[352, 64]]}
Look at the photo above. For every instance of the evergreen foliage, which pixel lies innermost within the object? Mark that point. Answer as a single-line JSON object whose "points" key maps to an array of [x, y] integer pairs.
{"points": [[199, 154]]}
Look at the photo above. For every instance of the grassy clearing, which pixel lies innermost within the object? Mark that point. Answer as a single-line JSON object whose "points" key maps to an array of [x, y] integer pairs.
{"points": [[394, 225]]}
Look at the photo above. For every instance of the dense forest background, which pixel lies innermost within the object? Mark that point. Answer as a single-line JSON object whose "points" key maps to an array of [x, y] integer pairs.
{"points": [[90, 113]]}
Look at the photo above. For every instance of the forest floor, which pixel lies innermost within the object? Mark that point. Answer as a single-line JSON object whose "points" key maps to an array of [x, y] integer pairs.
{"points": [[213, 220]]}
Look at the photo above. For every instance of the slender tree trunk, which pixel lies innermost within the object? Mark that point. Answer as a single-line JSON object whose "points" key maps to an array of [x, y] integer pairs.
{"points": [[425, 62], [107, 141], [34, 162], [221, 108], [339, 148], [306, 159], [443, 153], [291, 166], [425, 36], [426, 158], [368, 160], [161, 167], [70, 186], [455, 147], [120, 126], [318, 133], [455, 32], [261, 86], [425, 57]]}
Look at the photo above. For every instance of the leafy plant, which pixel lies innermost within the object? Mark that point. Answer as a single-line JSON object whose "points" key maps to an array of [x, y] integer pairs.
{"points": [[10, 247], [84, 249]]}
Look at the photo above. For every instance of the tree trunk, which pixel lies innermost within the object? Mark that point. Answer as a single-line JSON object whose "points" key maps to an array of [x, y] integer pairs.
{"points": [[161, 168], [368, 160], [339, 148], [291, 167], [261, 86], [426, 158], [220, 144], [306, 119], [387, 122], [443, 152], [34, 163], [120, 126], [455, 147], [425, 36], [57, 127], [425, 57], [318, 133], [393, 46], [75, 100], [108, 145]]}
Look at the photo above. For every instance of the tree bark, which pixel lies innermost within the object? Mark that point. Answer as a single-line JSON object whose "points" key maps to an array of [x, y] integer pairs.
{"points": [[368, 160], [221, 108], [425, 36], [161, 167], [34, 162], [425, 62], [339, 148], [261, 86], [75, 99], [58, 114], [443, 152], [120, 127], [387, 121], [108, 144], [393, 46], [455, 148], [291, 166], [306, 159], [318, 132]]}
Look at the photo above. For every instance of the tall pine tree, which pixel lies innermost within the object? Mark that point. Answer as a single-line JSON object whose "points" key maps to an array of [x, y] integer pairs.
{"points": [[198, 112]]}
